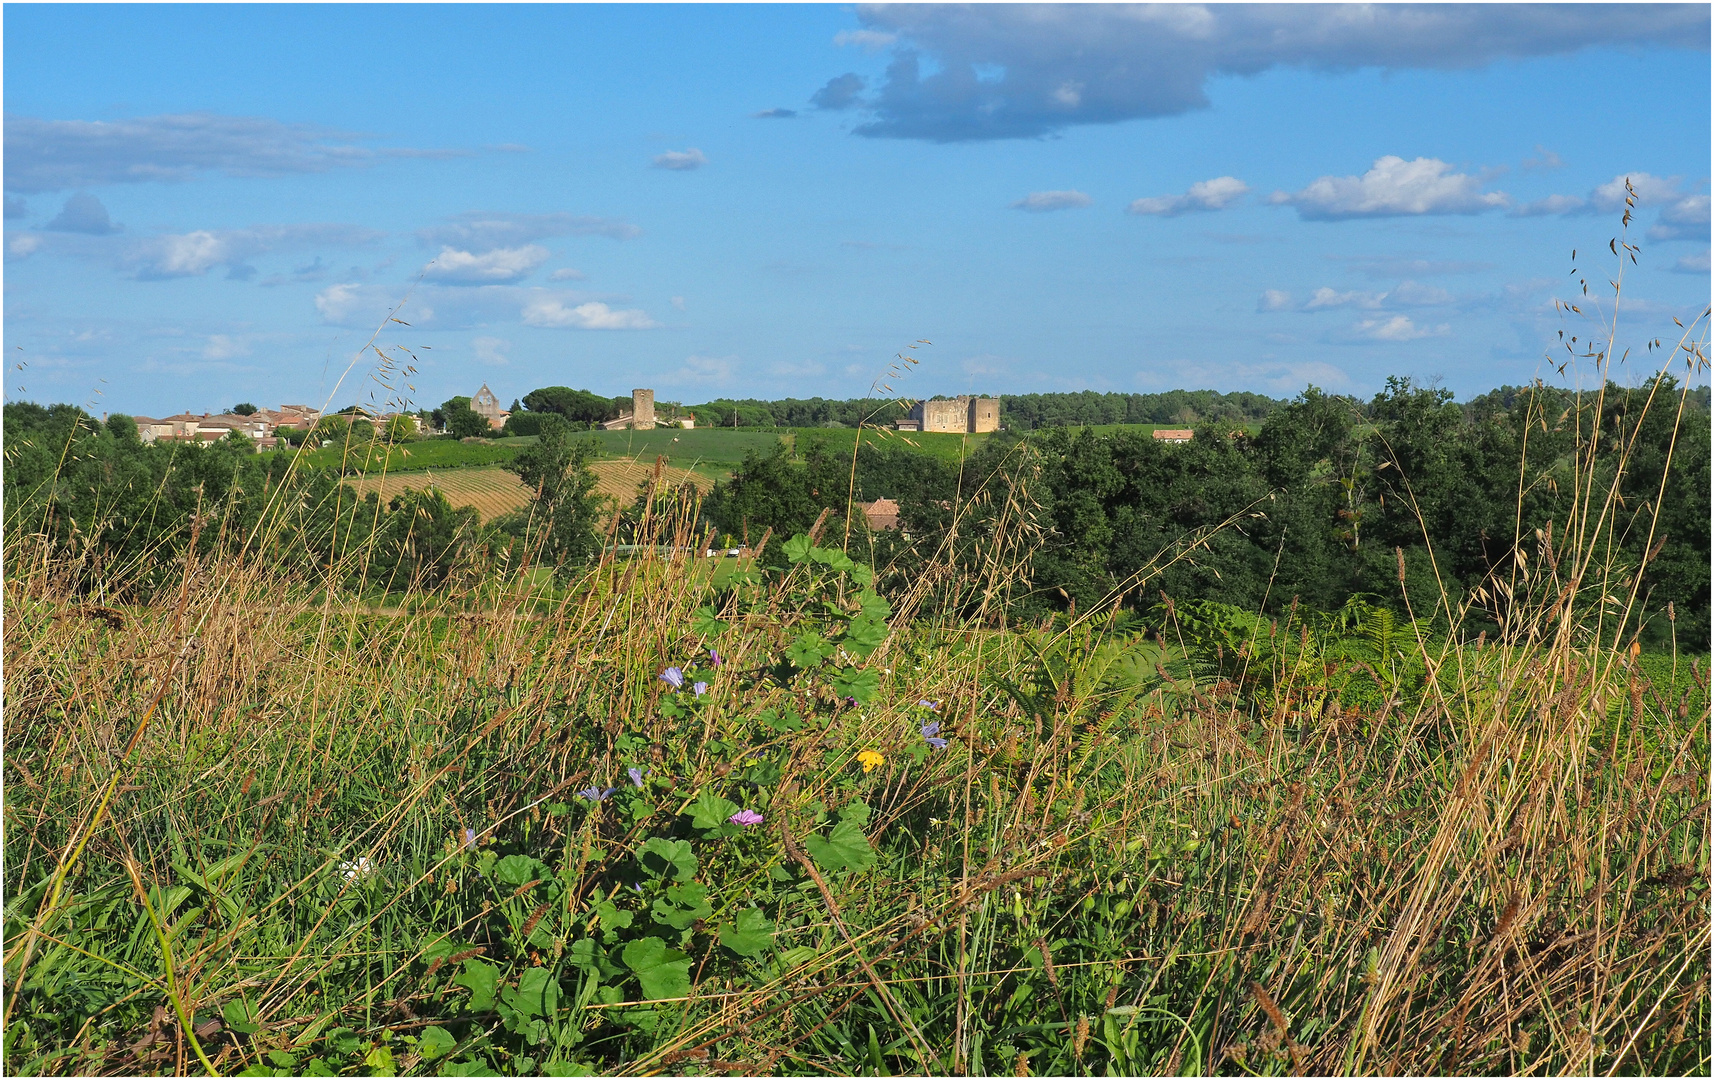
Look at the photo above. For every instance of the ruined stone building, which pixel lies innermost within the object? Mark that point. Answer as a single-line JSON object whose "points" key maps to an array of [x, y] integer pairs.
{"points": [[963, 413]]}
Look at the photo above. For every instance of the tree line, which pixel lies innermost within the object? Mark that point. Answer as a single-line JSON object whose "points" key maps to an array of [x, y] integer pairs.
{"points": [[1331, 498]]}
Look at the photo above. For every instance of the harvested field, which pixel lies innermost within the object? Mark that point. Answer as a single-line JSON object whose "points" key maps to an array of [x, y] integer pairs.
{"points": [[494, 491]]}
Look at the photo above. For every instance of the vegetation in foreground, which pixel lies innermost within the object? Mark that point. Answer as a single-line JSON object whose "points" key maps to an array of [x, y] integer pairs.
{"points": [[554, 810]]}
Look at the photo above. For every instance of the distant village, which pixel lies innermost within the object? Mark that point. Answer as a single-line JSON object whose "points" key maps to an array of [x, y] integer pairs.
{"points": [[266, 427]]}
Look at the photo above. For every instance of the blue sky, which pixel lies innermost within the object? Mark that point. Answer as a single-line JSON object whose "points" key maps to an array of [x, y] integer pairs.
{"points": [[209, 204]]}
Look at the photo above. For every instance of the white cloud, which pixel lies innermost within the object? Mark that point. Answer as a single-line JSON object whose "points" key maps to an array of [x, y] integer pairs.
{"points": [[491, 350], [1215, 194], [482, 230], [678, 302], [224, 347], [681, 160], [1393, 187], [1692, 264], [549, 311], [1325, 298], [1040, 202], [1543, 159], [1686, 219], [868, 40], [703, 369], [1274, 300], [499, 266], [1006, 71], [1650, 191], [1397, 328], [1412, 294], [566, 273], [174, 255], [22, 246], [338, 303], [52, 155], [1553, 204], [839, 92]]}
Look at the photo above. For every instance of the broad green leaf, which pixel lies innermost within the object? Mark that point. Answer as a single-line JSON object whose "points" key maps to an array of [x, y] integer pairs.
{"points": [[237, 1017], [856, 811], [344, 1040], [282, 1060], [832, 558], [473, 1067], [613, 918], [750, 935], [481, 977], [706, 622], [775, 722], [809, 651], [380, 1062], [682, 905], [318, 1067], [515, 870], [761, 773], [863, 576], [863, 636], [537, 993], [845, 848], [797, 548], [669, 860], [850, 682], [663, 972], [874, 605], [568, 1068], [435, 1042], [710, 811]]}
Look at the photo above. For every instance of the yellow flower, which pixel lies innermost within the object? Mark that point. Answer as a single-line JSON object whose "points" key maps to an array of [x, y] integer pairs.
{"points": [[870, 760]]}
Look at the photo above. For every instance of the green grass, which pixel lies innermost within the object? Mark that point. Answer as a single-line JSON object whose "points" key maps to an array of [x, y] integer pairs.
{"points": [[1118, 845], [951, 448], [364, 457]]}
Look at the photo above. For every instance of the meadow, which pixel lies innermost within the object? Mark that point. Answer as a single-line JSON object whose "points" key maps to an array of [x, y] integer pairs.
{"points": [[647, 824]]}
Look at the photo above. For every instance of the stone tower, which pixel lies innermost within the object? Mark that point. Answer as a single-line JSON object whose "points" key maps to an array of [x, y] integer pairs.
{"points": [[642, 410]]}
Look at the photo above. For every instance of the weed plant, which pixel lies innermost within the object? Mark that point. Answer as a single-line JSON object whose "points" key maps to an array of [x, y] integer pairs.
{"points": [[646, 825]]}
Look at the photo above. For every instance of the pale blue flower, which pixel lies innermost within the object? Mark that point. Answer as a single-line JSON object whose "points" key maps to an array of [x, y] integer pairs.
{"points": [[701, 688], [636, 776], [931, 735], [596, 794], [673, 677]]}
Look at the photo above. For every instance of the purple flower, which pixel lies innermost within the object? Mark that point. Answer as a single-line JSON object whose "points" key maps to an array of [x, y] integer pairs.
{"points": [[933, 706], [673, 677], [746, 818], [636, 776], [850, 701], [930, 734], [469, 837], [713, 658], [596, 794], [701, 688]]}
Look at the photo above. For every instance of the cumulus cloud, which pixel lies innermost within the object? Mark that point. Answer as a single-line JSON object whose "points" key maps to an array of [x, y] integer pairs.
{"points": [[1040, 202], [1274, 300], [566, 273], [1543, 159], [680, 160], [1215, 194], [224, 347], [496, 266], [1393, 187], [83, 213], [1397, 328], [175, 255], [1608, 198], [962, 72], [870, 40], [552, 311], [703, 369], [1692, 264], [481, 230], [1686, 219], [22, 246], [491, 350], [839, 92], [774, 114], [1325, 297], [52, 155]]}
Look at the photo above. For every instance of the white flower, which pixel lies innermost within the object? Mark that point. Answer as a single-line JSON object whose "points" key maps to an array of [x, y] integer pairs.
{"points": [[359, 867]]}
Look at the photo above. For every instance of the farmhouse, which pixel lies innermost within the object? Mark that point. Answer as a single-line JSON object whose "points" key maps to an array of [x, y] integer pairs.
{"points": [[1173, 435], [881, 514], [963, 413]]}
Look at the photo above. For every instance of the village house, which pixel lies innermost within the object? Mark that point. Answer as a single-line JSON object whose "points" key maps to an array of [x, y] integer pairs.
{"points": [[487, 406], [881, 514], [642, 415], [1173, 435]]}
